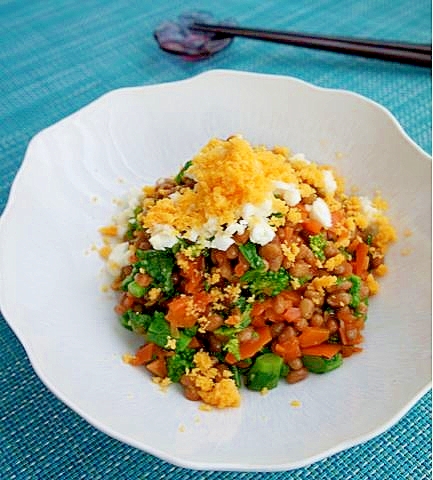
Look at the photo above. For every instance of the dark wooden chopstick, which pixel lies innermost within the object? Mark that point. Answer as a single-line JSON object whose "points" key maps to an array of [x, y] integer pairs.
{"points": [[409, 53]]}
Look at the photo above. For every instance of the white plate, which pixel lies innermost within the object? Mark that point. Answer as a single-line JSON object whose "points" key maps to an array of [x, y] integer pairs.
{"points": [[50, 276]]}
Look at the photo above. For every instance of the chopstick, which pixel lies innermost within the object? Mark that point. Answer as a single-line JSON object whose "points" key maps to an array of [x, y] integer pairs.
{"points": [[408, 53]]}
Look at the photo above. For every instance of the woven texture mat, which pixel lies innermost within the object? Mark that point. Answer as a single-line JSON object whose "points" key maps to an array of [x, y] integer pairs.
{"points": [[58, 55]]}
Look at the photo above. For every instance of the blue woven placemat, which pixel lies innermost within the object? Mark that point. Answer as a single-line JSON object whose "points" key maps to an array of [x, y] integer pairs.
{"points": [[58, 55]]}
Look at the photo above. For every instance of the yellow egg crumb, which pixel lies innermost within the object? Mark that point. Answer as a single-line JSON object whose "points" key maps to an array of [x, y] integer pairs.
{"points": [[163, 383], [372, 284], [290, 251], [128, 358], [214, 391], [109, 230], [334, 262], [319, 283], [381, 270], [226, 182], [105, 251]]}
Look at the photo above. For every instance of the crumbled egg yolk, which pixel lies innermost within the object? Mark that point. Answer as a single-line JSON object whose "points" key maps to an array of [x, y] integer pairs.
{"points": [[238, 187], [220, 393], [244, 188]]}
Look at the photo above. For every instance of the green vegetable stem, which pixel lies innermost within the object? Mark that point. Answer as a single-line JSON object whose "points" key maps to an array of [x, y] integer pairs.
{"points": [[316, 364], [265, 372]]}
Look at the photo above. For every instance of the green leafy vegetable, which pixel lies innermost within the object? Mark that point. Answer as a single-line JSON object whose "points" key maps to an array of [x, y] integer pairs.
{"points": [[137, 322], [179, 178], [237, 377], [185, 336], [317, 245], [159, 265], [136, 290], [179, 363], [133, 224], [266, 282], [158, 330], [265, 372], [249, 251], [232, 346], [355, 290], [316, 364]]}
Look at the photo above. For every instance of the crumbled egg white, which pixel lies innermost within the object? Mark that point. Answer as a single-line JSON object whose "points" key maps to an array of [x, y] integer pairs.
{"points": [[256, 217], [260, 211], [300, 157], [330, 183], [221, 241], [128, 203], [118, 258], [261, 232], [321, 213], [368, 209], [288, 191], [163, 236]]}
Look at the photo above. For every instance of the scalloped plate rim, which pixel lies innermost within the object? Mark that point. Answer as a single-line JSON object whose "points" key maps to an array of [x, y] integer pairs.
{"points": [[33, 355]]}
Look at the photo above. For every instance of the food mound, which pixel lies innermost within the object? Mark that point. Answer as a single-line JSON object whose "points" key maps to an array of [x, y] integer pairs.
{"points": [[249, 266]]}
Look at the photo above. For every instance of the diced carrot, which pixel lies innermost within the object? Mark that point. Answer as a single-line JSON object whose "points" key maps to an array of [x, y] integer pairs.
{"points": [[348, 350], [184, 310], [158, 367], [250, 347], [195, 280], [258, 313], [353, 244], [180, 312], [193, 272], [311, 336], [327, 350], [201, 300], [233, 319], [144, 354], [312, 226], [361, 259], [288, 350]]}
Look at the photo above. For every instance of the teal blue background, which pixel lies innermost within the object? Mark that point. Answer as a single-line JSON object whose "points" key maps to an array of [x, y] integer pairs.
{"points": [[58, 55]]}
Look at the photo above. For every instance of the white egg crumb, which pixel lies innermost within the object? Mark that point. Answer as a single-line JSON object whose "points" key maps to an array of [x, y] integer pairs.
{"points": [[288, 191], [261, 232], [163, 236], [321, 213], [330, 183], [300, 157], [118, 258], [368, 209]]}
